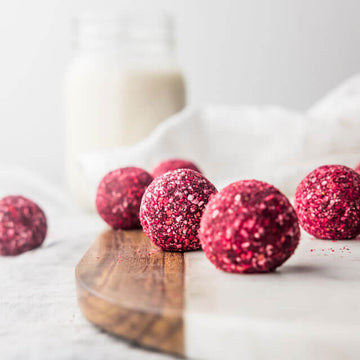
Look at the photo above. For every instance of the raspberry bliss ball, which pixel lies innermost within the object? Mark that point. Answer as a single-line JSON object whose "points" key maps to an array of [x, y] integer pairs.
{"points": [[327, 202], [23, 225], [249, 227], [172, 207], [173, 164], [119, 196]]}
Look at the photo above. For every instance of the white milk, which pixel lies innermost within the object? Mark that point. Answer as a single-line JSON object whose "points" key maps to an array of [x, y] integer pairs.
{"points": [[121, 84]]}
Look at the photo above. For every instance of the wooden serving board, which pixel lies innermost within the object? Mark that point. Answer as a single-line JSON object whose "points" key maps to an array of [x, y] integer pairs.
{"points": [[180, 304], [130, 288]]}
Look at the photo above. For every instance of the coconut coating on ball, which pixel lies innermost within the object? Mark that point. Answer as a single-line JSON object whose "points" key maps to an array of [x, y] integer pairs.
{"points": [[23, 225], [173, 164], [327, 202], [172, 207], [119, 196], [249, 227]]}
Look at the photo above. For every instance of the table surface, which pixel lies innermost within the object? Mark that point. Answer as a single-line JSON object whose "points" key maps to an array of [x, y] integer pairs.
{"points": [[39, 315], [38, 305], [317, 289]]}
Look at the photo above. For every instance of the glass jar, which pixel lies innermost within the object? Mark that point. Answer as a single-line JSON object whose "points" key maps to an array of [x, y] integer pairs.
{"points": [[122, 82]]}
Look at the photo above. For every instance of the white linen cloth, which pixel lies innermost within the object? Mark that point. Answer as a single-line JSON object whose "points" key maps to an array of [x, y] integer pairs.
{"points": [[272, 144], [39, 317]]}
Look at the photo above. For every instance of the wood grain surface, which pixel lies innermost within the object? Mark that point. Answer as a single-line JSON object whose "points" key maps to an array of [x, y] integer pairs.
{"points": [[131, 289]]}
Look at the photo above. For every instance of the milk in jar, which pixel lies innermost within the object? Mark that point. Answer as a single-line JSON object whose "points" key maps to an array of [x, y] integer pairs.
{"points": [[121, 84]]}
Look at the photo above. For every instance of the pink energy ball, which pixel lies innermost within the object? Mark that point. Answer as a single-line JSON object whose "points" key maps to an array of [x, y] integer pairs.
{"points": [[119, 196], [172, 207], [327, 202], [249, 227], [23, 225], [173, 164]]}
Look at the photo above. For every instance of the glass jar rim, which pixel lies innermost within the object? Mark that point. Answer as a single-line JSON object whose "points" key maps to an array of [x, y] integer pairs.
{"points": [[129, 26]]}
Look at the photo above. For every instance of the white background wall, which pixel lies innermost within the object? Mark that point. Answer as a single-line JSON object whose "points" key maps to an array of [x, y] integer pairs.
{"points": [[287, 52]]}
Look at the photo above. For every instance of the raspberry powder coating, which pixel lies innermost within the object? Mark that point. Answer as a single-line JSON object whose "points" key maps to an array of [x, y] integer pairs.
{"points": [[173, 164], [23, 225], [119, 196], [327, 202], [249, 227], [172, 207]]}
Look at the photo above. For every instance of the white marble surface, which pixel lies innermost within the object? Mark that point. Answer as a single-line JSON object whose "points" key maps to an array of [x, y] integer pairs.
{"points": [[308, 309]]}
